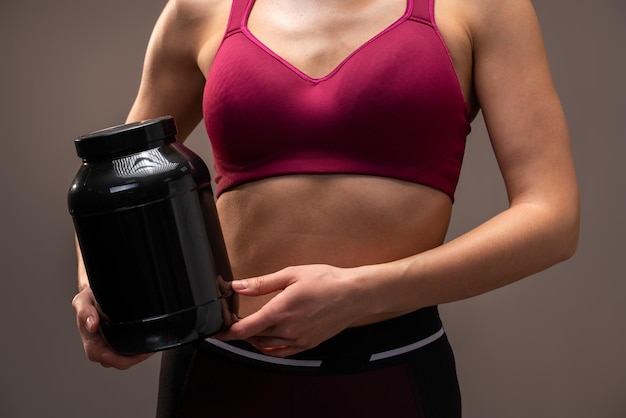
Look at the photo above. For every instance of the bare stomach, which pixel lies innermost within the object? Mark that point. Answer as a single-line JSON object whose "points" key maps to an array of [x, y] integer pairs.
{"points": [[341, 220]]}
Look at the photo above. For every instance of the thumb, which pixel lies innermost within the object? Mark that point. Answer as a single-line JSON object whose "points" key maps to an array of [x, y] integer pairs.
{"points": [[86, 312], [262, 285]]}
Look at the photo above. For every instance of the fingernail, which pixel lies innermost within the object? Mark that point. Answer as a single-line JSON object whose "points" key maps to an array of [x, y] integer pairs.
{"points": [[90, 322], [240, 284]]}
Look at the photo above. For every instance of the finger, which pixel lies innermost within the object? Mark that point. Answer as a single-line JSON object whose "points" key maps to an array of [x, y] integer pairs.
{"points": [[96, 348], [269, 343], [258, 323], [121, 362], [98, 351], [270, 349], [280, 351], [276, 350], [262, 285], [86, 313]]}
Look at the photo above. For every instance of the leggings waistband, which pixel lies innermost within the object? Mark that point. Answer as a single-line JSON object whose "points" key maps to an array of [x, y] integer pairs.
{"points": [[354, 348]]}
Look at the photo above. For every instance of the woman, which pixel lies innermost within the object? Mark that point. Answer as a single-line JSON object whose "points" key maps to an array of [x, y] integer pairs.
{"points": [[338, 129]]}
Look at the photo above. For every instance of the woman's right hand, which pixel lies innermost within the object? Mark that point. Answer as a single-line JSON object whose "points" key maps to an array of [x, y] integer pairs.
{"points": [[95, 346]]}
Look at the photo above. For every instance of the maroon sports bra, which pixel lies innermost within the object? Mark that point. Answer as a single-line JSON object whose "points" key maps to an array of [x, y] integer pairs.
{"points": [[393, 108]]}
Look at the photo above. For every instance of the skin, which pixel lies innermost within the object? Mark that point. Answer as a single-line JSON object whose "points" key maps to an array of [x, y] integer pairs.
{"points": [[317, 254]]}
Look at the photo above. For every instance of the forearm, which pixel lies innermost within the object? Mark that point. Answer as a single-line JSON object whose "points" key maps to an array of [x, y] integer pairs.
{"points": [[519, 242]]}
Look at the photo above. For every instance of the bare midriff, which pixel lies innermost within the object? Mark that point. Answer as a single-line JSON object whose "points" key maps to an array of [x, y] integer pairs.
{"points": [[341, 220]]}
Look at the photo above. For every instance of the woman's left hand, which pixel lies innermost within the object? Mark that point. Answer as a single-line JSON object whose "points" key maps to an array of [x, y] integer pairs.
{"points": [[314, 303]]}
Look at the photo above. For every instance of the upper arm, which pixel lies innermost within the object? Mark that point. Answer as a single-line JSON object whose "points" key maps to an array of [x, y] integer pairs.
{"points": [[172, 82], [522, 111]]}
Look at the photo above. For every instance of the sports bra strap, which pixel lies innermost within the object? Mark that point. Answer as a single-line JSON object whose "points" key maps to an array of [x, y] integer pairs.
{"points": [[237, 14], [422, 10]]}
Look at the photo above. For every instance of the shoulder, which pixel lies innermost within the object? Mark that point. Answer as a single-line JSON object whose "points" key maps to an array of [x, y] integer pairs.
{"points": [[185, 27], [193, 15], [483, 20], [193, 11], [499, 21]]}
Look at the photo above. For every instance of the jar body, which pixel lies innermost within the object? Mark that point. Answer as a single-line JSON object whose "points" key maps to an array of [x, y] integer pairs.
{"points": [[153, 249]]}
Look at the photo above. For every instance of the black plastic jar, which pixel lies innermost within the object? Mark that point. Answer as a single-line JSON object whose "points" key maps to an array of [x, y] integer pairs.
{"points": [[150, 238]]}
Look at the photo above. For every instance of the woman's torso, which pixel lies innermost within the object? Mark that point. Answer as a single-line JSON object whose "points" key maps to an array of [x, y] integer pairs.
{"points": [[339, 219]]}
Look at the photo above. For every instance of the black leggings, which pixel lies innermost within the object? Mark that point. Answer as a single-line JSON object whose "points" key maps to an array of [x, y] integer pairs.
{"points": [[209, 381]]}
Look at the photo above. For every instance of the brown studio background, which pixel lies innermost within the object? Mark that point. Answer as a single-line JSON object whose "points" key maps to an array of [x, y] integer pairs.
{"points": [[550, 346]]}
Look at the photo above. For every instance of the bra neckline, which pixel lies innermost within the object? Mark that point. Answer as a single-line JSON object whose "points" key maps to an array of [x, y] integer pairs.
{"points": [[246, 31]]}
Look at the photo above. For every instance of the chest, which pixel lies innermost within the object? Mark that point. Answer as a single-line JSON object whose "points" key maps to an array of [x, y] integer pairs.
{"points": [[392, 107], [316, 36]]}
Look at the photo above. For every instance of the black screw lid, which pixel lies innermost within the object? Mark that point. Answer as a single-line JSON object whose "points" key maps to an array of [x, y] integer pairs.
{"points": [[126, 139]]}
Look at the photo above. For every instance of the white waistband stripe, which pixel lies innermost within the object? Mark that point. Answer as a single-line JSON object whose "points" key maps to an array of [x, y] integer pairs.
{"points": [[317, 363], [407, 348], [263, 357]]}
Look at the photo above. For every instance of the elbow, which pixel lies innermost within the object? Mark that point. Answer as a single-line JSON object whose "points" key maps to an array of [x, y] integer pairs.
{"points": [[569, 243], [559, 229], [568, 236]]}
